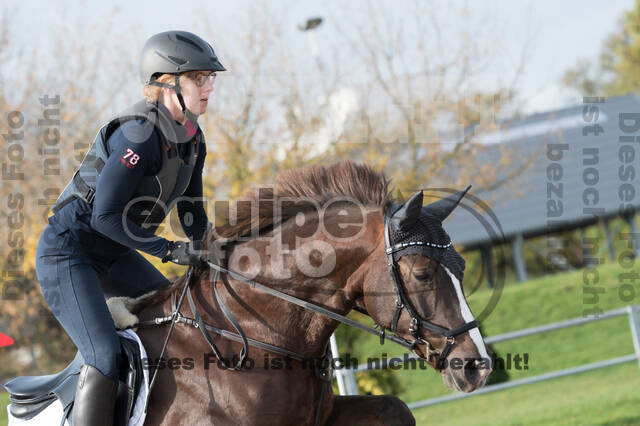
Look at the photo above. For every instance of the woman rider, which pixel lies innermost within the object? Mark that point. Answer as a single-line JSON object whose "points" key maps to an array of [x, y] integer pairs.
{"points": [[143, 162]]}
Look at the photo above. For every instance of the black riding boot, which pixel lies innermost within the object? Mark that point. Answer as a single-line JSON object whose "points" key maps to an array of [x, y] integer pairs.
{"points": [[95, 398]]}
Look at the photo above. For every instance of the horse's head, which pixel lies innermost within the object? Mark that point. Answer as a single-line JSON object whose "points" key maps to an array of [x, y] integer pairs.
{"points": [[414, 288]]}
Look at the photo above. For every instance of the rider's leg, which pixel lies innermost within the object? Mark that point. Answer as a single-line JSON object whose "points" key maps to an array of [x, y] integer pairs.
{"points": [[95, 398], [132, 275], [71, 288]]}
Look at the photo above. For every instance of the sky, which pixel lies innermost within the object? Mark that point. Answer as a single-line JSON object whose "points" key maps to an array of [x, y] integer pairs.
{"points": [[560, 32], [565, 31]]}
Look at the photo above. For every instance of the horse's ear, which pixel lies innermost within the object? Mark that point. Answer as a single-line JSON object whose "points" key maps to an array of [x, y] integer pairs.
{"points": [[442, 208], [406, 216]]}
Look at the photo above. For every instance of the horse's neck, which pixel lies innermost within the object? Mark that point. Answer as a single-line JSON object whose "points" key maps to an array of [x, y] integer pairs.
{"points": [[319, 270]]}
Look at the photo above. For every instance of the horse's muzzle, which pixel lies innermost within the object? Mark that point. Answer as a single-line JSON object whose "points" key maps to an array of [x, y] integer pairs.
{"points": [[466, 375]]}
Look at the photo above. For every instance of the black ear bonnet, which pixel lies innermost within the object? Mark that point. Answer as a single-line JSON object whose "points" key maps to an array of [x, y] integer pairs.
{"points": [[414, 229]]}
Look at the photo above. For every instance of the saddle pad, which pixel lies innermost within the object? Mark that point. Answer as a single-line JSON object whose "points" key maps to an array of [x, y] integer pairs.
{"points": [[139, 410], [52, 415]]}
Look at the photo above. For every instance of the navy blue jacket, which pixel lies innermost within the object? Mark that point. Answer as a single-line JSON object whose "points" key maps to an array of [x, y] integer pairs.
{"points": [[102, 223]]}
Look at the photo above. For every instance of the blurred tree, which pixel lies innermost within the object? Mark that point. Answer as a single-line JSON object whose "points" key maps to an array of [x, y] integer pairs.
{"points": [[421, 106], [61, 112], [615, 72], [390, 93]]}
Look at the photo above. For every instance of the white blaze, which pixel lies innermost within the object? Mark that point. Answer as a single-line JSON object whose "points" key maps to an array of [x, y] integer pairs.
{"points": [[467, 316]]}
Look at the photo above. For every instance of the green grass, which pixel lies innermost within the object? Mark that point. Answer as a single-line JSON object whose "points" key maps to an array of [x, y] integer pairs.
{"points": [[4, 401], [607, 396], [537, 302]]}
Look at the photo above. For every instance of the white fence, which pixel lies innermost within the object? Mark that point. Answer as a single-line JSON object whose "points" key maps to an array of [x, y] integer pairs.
{"points": [[347, 382]]}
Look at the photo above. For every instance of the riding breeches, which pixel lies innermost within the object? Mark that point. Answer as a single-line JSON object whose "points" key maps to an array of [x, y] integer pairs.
{"points": [[75, 277]]}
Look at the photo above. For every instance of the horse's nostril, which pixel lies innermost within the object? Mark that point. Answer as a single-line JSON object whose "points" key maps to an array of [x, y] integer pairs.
{"points": [[477, 370], [482, 368]]}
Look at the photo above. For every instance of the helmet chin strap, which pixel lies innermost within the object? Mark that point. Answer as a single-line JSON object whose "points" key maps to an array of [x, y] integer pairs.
{"points": [[186, 111], [189, 115]]}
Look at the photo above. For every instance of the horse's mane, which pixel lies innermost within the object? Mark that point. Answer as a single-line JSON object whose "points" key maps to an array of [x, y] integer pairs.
{"points": [[308, 187]]}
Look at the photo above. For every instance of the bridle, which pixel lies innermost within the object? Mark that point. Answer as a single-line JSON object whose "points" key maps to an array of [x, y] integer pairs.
{"points": [[324, 372], [403, 303]]}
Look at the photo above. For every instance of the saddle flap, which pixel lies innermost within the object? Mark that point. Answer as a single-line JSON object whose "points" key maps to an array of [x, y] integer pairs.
{"points": [[33, 388], [30, 395]]}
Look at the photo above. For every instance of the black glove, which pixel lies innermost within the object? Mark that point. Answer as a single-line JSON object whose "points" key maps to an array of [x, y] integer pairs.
{"points": [[185, 253]]}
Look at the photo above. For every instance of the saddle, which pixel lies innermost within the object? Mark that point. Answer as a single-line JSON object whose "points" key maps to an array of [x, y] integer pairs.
{"points": [[30, 395]]}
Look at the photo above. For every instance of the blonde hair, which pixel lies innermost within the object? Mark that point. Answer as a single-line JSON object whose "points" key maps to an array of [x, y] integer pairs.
{"points": [[152, 93]]}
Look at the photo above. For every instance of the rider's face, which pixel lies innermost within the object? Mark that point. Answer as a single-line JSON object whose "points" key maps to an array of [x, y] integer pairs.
{"points": [[196, 97]]}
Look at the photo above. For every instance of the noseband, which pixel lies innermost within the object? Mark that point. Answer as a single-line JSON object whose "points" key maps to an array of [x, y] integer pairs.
{"points": [[403, 303]]}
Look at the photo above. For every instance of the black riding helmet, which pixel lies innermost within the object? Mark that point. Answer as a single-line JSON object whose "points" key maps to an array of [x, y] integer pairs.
{"points": [[175, 52]]}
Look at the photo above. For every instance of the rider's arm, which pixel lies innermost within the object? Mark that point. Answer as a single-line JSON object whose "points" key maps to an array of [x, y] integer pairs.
{"points": [[132, 156], [193, 216]]}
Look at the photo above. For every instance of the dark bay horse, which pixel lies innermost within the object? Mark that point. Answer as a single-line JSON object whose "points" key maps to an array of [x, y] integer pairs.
{"points": [[319, 235]]}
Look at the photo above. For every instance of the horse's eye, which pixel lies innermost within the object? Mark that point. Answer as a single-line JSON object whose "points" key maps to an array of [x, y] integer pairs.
{"points": [[424, 276]]}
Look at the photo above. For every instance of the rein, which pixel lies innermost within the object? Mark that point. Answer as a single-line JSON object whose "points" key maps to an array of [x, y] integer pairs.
{"points": [[324, 371], [312, 307], [197, 322]]}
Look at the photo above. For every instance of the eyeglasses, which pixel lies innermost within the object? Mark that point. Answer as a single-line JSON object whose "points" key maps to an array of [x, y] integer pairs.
{"points": [[201, 79]]}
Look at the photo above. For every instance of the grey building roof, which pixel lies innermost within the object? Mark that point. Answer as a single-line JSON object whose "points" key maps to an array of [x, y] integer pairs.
{"points": [[521, 205]]}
